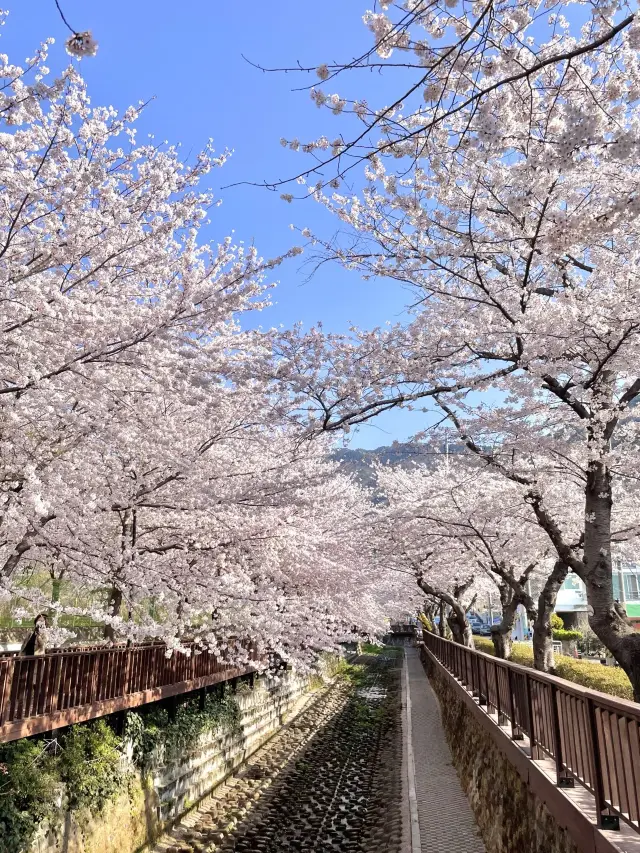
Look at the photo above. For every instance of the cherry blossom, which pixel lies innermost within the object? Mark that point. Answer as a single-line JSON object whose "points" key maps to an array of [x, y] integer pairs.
{"points": [[147, 458], [508, 199]]}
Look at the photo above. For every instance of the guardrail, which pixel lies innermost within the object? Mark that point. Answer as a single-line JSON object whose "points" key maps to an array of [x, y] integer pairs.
{"points": [[45, 692], [593, 738]]}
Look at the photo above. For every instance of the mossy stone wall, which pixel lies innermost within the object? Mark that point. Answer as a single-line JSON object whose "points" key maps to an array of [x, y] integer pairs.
{"points": [[157, 799], [510, 817]]}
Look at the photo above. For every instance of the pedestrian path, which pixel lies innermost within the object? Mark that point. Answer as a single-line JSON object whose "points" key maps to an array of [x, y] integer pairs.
{"points": [[439, 806]]}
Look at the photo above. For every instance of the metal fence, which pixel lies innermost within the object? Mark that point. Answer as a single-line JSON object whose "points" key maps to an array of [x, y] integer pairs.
{"points": [[593, 738], [36, 689]]}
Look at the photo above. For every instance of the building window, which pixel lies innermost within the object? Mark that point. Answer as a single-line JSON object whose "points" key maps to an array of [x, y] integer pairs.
{"points": [[572, 581], [616, 587], [632, 589]]}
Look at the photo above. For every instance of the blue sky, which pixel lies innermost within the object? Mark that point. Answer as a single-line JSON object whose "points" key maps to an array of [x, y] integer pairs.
{"points": [[188, 57]]}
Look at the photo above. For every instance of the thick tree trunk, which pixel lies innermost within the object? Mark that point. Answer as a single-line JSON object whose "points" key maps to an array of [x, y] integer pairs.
{"points": [[128, 523], [501, 634], [542, 631], [457, 618], [428, 614], [56, 586], [607, 618], [460, 628]]}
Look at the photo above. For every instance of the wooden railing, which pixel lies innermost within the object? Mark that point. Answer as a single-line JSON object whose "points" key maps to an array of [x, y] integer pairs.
{"points": [[593, 738], [45, 692]]}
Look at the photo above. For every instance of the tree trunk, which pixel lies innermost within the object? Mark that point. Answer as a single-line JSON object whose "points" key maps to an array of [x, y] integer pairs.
{"points": [[115, 603], [501, 634], [442, 625], [428, 616], [460, 628], [457, 619], [542, 632], [56, 584], [607, 619]]}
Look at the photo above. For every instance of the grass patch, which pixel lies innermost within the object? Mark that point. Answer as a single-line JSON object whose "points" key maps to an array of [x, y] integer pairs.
{"points": [[387, 651]]}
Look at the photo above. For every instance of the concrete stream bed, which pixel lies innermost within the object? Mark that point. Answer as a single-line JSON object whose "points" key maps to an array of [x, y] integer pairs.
{"points": [[328, 781]]}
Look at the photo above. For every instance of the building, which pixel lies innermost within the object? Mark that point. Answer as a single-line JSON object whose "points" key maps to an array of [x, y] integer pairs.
{"points": [[571, 604]]}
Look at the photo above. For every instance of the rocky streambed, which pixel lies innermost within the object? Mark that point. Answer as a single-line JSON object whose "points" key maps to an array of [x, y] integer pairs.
{"points": [[329, 781]]}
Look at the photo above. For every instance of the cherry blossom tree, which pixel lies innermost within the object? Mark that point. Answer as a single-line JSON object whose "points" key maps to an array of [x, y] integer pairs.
{"points": [[419, 533], [515, 218], [446, 61], [145, 453], [474, 516]]}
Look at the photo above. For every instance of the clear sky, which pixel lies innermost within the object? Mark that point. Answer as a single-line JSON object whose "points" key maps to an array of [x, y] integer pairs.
{"points": [[187, 56]]}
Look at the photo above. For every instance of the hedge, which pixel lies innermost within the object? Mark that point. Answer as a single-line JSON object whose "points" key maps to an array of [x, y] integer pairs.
{"points": [[563, 634], [606, 679]]}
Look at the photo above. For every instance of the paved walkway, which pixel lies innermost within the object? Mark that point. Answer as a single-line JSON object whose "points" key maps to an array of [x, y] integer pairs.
{"points": [[444, 817]]}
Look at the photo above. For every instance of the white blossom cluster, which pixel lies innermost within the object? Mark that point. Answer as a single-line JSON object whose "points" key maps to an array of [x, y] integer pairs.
{"points": [[501, 188], [149, 464]]}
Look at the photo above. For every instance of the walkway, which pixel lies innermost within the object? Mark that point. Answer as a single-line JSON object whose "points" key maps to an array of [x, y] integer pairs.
{"points": [[333, 780], [444, 815]]}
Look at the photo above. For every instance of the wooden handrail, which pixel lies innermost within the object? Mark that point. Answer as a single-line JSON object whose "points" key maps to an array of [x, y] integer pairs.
{"points": [[44, 692], [592, 737]]}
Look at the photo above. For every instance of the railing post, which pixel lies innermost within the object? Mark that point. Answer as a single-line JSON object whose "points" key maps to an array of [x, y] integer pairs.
{"points": [[557, 738], [502, 717], [95, 665], [5, 697], [56, 684], [483, 692], [605, 821], [476, 676], [127, 671], [516, 734], [532, 729]]}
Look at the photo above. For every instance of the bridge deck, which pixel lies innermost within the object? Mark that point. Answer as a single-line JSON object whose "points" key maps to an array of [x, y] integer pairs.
{"points": [[442, 817]]}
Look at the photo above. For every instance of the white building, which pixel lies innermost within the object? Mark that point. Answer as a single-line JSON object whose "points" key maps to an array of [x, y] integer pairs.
{"points": [[571, 603]]}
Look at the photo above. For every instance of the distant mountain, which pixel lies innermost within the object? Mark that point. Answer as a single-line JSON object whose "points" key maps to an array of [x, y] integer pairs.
{"points": [[360, 463]]}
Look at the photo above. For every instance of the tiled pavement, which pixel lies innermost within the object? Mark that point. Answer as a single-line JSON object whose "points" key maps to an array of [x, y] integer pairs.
{"points": [[446, 823]]}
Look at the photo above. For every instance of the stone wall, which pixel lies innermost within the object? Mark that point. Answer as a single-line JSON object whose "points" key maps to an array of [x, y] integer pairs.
{"points": [[510, 816], [158, 799]]}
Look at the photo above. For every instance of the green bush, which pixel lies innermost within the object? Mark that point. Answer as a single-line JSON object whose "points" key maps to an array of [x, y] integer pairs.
{"points": [[90, 765], [483, 644], [606, 679], [87, 765], [28, 788], [154, 731], [564, 634]]}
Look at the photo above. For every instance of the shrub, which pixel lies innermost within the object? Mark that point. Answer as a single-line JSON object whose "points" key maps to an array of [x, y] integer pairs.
{"points": [[90, 765], [564, 634], [155, 731], [606, 679], [32, 779], [482, 644], [28, 788]]}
